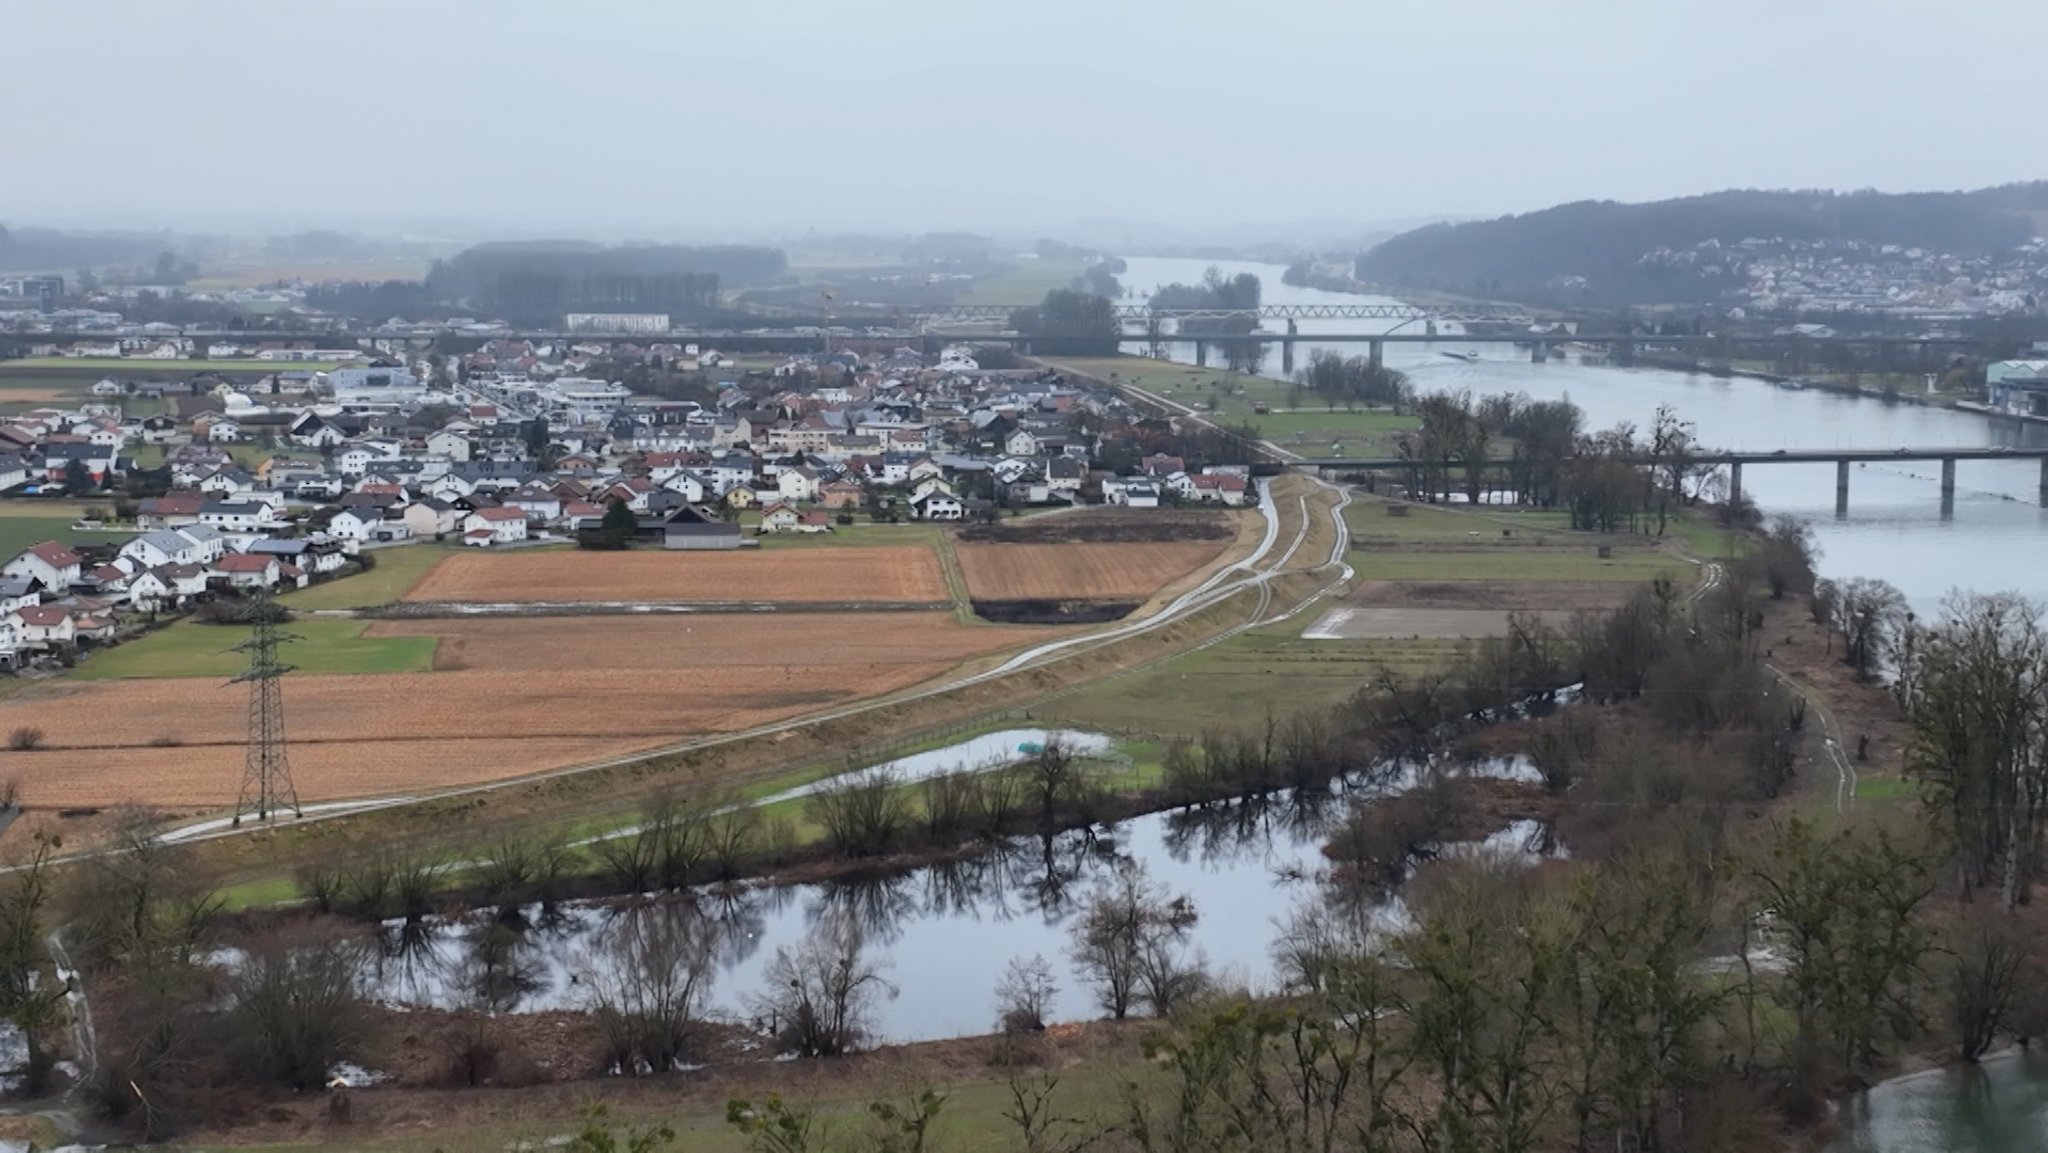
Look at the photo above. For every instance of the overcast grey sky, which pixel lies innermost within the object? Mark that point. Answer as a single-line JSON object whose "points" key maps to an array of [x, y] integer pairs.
{"points": [[685, 118]]}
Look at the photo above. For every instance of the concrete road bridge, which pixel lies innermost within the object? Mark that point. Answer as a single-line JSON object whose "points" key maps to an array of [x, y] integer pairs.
{"points": [[1736, 461]]}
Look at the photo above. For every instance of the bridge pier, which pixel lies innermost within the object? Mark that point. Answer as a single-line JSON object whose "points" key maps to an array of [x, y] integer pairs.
{"points": [[2044, 481], [1735, 483], [1841, 489], [1201, 355], [1376, 352], [1948, 480], [1287, 349], [1540, 353]]}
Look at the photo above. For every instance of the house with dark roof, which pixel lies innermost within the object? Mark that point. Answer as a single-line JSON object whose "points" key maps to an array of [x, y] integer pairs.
{"points": [[693, 529]]}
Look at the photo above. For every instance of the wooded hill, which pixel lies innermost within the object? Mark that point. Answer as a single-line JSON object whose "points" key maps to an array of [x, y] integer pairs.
{"points": [[1536, 255]]}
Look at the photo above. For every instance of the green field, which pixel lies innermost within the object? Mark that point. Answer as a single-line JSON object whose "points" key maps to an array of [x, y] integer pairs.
{"points": [[1518, 564], [398, 569], [186, 649], [1293, 421], [1240, 680], [1025, 282], [19, 532]]}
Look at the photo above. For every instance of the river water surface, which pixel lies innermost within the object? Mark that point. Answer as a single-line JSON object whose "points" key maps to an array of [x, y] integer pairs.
{"points": [[1993, 540], [1895, 529]]}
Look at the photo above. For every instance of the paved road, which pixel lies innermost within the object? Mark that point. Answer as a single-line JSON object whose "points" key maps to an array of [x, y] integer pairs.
{"points": [[1256, 571]]}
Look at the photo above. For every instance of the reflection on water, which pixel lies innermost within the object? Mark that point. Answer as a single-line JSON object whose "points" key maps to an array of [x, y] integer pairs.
{"points": [[2000, 1106], [945, 930]]}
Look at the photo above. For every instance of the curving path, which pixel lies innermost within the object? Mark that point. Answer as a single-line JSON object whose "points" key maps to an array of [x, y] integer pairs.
{"points": [[1255, 572]]}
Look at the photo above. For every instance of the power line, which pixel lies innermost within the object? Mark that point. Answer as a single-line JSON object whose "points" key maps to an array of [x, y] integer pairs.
{"points": [[266, 774]]}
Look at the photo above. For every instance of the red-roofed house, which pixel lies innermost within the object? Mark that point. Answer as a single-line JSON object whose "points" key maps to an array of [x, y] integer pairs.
{"points": [[779, 518], [57, 567], [1228, 488], [44, 625], [489, 526], [244, 570]]}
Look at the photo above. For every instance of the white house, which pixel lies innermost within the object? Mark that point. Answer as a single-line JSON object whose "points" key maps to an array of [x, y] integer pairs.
{"points": [[450, 443], [937, 504], [167, 586], [800, 483], [493, 526], [161, 547], [211, 545], [44, 625], [245, 570], [51, 563], [449, 486], [1134, 491], [1021, 443], [1223, 487], [313, 432], [356, 524], [16, 592], [239, 516], [1065, 474], [690, 486], [220, 430], [432, 517]]}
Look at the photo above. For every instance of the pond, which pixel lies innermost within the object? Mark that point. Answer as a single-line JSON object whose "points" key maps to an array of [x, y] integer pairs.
{"points": [[944, 932]]}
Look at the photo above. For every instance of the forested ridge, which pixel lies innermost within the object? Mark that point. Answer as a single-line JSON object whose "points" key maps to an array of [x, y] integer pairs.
{"points": [[1536, 254]]}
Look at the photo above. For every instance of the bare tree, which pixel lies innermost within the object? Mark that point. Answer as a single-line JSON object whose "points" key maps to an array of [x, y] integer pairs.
{"points": [[1024, 995], [1054, 778], [1870, 615], [863, 814], [1990, 961], [297, 1012], [648, 994], [1125, 942], [1977, 692], [29, 996], [820, 996]]}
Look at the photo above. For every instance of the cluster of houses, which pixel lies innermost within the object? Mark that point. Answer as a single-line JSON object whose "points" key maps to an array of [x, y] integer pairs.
{"points": [[281, 482]]}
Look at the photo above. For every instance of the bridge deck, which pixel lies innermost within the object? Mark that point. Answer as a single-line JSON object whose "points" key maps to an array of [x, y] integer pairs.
{"points": [[1785, 456]]}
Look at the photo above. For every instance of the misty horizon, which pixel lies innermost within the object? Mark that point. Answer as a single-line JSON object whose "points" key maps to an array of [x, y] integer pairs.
{"points": [[640, 120]]}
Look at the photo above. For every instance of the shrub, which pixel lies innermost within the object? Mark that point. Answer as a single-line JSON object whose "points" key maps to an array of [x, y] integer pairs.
{"points": [[25, 739], [298, 1014]]}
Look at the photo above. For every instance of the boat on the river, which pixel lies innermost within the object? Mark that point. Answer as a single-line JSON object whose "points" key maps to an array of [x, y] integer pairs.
{"points": [[1467, 357]]}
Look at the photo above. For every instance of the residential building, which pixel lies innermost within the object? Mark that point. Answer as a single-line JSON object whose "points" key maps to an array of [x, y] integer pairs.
{"points": [[51, 564], [494, 526]]}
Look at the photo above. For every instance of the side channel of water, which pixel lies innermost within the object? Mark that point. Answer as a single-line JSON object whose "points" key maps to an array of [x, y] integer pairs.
{"points": [[944, 931]]}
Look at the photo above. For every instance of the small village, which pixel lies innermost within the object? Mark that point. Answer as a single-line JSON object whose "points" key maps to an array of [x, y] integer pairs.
{"points": [[230, 487]]}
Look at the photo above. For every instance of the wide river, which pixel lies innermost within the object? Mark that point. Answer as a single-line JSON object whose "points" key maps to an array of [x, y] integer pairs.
{"points": [[1995, 538]]}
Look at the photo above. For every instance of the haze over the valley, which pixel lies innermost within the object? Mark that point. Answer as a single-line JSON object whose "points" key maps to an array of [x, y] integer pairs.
{"points": [[634, 118]]}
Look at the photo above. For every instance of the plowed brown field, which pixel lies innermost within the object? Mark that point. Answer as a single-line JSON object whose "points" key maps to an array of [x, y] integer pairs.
{"points": [[511, 697], [907, 574], [1079, 571], [819, 643]]}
